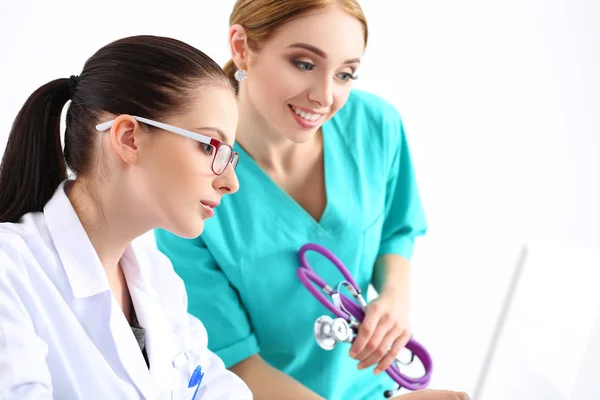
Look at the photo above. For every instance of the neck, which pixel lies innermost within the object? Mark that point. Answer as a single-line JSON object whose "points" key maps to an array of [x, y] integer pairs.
{"points": [[107, 218], [269, 148]]}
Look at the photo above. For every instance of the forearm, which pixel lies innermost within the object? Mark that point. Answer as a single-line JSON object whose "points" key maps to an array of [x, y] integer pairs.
{"points": [[268, 383], [391, 275]]}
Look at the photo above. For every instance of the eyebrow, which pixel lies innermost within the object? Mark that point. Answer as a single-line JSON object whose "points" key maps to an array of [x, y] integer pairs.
{"points": [[222, 135], [320, 52]]}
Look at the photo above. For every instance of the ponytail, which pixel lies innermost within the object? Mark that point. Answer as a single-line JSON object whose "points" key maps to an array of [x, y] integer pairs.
{"points": [[33, 165], [113, 81], [230, 69]]}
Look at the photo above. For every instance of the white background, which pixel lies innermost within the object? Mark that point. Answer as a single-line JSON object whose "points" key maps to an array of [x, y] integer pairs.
{"points": [[501, 102]]}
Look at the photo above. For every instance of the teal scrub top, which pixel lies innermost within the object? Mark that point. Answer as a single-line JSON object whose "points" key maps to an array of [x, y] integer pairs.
{"points": [[240, 274]]}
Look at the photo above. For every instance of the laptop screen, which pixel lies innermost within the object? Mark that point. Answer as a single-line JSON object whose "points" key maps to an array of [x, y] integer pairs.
{"points": [[547, 341]]}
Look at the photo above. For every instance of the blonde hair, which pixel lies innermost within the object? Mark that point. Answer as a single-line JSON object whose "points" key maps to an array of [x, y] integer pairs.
{"points": [[261, 18]]}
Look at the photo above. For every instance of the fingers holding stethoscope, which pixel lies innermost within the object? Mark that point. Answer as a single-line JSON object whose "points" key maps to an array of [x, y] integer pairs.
{"points": [[398, 344], [379, 339], [381, 326], [372, 330]]}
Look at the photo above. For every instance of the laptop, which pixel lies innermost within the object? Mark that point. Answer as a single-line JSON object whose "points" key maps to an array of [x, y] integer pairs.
{"points": [[546, 344]]}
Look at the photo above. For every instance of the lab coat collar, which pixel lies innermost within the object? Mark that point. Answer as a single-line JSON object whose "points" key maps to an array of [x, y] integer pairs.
{"points": [[162, 339], [82, 266], [87, 278]]}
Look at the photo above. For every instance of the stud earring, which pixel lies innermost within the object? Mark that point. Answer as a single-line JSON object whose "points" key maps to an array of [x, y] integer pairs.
{"points": [[240, 75]]}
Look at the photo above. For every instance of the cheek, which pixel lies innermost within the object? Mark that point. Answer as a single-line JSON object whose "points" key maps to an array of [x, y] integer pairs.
{"points": [[187, 176], [340, 96], [175, 175], [277, 84]]}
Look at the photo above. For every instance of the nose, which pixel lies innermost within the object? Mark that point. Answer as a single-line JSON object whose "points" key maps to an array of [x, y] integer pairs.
{"points": [[322, 92], [227, 182]]}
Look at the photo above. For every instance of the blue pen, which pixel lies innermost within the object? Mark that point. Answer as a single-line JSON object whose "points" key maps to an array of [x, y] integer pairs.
{"points": [[196, 379]]}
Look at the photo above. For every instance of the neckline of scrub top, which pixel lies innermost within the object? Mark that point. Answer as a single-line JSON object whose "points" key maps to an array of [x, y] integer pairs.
{"points": [[247, 162]]}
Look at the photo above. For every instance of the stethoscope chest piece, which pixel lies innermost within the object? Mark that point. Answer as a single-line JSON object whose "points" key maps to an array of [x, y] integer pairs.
{"points": [[329, 331], [342, 331], [324, 332], [349, 315]]}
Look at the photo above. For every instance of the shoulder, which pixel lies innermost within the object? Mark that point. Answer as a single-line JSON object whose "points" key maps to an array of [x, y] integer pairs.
{"points": [[21, 237], [17, 244], [370, 126], [11, 244], [369, 108], [27, 227]]}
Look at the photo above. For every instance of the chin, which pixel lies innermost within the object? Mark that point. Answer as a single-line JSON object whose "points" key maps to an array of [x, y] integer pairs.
{"points": [[190, 229], [302, 135]]}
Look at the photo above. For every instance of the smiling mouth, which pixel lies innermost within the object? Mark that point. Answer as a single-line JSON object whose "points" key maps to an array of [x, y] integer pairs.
{"points": [[309, 117]]}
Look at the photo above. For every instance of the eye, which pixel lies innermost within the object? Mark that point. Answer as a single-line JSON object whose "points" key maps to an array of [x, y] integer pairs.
{"points": [[345, 77], [207, 149], [304, 65]]}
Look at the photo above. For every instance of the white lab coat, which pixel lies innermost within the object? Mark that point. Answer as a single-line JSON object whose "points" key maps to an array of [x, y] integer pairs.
{"points": [[64, 336]]}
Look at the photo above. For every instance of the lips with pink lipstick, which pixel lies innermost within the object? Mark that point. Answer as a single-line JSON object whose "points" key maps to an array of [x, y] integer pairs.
{"points": [[208, 207], [305, 117]]}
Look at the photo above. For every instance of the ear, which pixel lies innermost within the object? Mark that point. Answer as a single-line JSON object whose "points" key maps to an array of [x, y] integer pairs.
{"points": [[238, 46], [125, 138]]}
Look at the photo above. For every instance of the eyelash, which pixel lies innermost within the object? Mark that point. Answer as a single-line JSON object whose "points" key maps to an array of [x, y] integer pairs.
{"points": [[310, 67], [207, 149]]}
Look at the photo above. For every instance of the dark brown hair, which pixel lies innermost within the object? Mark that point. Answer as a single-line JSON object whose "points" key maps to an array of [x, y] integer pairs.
{"points": [[147, 76]]}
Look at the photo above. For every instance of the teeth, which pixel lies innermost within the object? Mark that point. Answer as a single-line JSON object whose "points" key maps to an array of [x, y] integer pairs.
{"points": [[305, 115]]}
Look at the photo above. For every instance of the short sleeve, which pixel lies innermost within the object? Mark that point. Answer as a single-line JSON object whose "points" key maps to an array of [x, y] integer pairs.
{"points": [[404, 215], [211, 297], [24, 373]]}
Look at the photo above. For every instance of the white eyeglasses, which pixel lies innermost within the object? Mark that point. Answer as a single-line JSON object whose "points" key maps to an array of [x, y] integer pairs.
{"points": [[222, 153]]}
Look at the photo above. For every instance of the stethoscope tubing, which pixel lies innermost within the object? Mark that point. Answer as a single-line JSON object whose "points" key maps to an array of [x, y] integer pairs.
{"points": [[307, 276]]}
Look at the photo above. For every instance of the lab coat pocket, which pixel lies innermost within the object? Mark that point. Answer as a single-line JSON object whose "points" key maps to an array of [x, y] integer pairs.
{"points": [[188, 371], [184, 377], [183, 393]]}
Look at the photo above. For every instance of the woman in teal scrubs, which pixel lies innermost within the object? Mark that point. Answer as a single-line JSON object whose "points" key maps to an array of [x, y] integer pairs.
{"points": [[319, 162]]}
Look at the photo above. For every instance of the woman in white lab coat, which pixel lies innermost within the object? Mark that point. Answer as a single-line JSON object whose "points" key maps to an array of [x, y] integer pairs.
{"points": [[85, 312]]}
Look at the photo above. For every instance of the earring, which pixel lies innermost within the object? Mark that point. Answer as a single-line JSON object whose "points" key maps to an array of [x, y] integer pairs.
{"points": [[240, 75]]}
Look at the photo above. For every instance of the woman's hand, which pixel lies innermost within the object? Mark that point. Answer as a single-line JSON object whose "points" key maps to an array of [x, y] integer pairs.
{"points": [[384, 331]]}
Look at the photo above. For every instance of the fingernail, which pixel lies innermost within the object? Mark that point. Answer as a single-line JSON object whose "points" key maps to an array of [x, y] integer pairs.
{"points": [[353, 354], [377, 371], [360, 366]]}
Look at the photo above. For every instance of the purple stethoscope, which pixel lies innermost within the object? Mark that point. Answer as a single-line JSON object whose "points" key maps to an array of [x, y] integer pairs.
{"points": [[328, 331]]}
